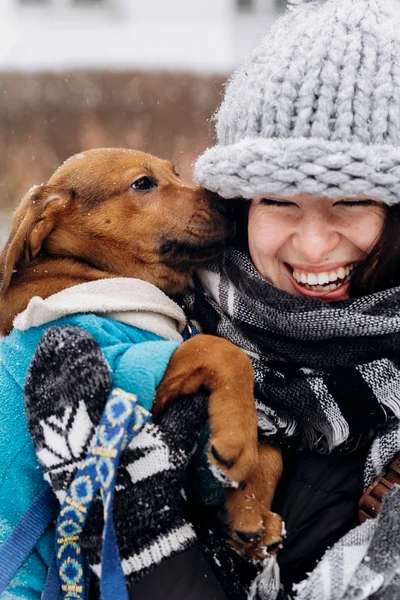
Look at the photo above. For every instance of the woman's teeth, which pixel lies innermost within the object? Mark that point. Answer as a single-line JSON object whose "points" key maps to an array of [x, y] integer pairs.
{"points": [[325, 280]]}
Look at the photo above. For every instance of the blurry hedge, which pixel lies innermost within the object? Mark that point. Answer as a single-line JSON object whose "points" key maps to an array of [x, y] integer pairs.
{"points": [[44, 118]]}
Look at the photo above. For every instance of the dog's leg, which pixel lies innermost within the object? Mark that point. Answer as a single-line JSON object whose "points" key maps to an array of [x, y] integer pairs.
{"points": [[255, 530], [218, 365]]}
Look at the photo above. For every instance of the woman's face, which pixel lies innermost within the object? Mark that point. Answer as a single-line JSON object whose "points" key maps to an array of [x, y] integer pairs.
{"points": [[309, 245]]}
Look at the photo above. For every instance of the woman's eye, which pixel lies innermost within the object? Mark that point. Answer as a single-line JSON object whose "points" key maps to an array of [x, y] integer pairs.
{"points": [[270, 202], [143, 184], [357, 202]]}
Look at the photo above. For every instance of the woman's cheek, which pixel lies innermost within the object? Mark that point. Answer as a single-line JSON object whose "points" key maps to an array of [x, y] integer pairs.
{"points": [[266, 240], [364, 231]]}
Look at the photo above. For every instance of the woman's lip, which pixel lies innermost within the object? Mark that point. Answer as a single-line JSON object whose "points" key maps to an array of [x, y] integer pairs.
{"points": [[321, 268], [341, 293]]}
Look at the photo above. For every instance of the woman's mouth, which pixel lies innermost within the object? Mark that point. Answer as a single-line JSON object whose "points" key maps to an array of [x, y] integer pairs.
{"points": [[330, 285]]}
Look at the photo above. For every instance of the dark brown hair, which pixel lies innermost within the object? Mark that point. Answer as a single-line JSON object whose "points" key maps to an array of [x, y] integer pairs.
{"points": [[381, 268]]}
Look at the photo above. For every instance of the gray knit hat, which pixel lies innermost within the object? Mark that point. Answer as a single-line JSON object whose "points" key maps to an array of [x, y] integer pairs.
{"points": [[315, 108]]}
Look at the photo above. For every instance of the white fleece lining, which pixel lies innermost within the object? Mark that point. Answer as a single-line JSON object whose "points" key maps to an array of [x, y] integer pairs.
{"points": [[128, 300]]}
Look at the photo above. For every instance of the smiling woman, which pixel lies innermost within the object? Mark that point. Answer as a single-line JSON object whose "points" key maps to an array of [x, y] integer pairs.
{"points": [[308, 144], [311, 246]]}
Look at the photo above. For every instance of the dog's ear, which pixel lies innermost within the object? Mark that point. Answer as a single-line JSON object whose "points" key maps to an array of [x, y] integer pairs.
{"points": [[33, 221]]}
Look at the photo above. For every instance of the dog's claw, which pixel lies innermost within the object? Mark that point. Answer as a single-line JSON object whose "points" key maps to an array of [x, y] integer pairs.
{"points": [[273, 547], [227, 463], [249, 536], [255, 531]]}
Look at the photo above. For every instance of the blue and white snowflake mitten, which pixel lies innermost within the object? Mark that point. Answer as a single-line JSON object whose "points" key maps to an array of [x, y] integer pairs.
{"points": [[66, 390]]}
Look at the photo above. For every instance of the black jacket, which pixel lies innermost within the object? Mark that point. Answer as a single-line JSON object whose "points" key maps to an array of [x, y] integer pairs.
{"points": [[317, 498]]}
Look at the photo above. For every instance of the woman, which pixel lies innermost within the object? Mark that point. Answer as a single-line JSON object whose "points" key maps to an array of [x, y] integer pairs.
{"points": [[308, 134]]}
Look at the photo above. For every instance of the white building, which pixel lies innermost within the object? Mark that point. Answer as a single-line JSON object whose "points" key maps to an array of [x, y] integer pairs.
{"points": [[194, 35]]}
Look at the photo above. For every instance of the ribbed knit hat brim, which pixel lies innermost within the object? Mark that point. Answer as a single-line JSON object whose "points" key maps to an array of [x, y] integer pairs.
{"points": [[314, 108], [254, 167]]}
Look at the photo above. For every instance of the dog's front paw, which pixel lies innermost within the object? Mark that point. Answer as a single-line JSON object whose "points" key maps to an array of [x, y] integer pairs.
{"points": [[255, 531]]}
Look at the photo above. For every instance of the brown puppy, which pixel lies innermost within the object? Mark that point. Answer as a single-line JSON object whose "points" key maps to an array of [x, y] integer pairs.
{"points": [[119, 213], [108, 213]]}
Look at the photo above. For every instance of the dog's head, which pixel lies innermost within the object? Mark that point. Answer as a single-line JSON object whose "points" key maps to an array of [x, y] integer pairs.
{"points": [[122, 212]]}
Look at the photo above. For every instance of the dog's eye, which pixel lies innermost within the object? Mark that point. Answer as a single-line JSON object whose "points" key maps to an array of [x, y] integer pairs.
{"points": [[144, 184]]}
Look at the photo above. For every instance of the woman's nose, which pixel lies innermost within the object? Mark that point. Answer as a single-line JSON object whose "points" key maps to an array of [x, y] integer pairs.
{"points": [[314, 240]]}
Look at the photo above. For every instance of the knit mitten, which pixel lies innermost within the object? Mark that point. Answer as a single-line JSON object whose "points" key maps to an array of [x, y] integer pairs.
{"points": [[67, 387]]}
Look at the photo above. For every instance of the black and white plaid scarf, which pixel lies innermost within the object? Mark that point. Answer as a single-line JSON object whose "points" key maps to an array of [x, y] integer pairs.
{"points": [[327, 375]]}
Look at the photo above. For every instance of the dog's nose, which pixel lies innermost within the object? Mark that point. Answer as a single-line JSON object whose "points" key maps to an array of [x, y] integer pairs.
{"points": [[224, 207]]}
